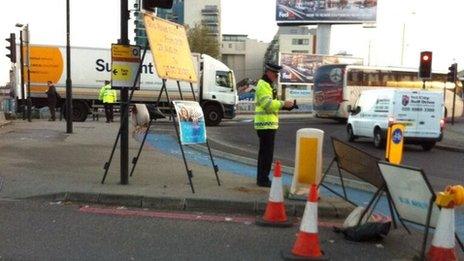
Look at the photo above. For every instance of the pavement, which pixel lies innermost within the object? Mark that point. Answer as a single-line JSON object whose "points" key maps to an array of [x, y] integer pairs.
{"points": [[41, 161]]}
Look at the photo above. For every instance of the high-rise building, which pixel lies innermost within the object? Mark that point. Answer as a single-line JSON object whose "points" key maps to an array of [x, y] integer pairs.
{"points": [[190, 13]]}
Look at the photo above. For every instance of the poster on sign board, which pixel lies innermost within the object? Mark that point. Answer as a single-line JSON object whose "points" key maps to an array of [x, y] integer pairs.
{"points": [[192, 128], [411, 193]]}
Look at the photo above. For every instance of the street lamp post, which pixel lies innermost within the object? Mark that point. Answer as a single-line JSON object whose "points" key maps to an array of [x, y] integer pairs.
{"points": [[69, 109], [21, 72], [28, 63]]}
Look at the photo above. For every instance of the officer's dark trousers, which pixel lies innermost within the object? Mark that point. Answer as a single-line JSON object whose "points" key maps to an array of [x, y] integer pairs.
{"points": [[266, 154], [108, 111]]}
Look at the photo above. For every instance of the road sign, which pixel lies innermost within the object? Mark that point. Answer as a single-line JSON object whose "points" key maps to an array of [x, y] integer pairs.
{"points": [[125, 60], [170, 49]]}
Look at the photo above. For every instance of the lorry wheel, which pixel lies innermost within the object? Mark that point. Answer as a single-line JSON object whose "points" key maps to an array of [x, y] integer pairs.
{"points": [[379, 141], [213, 115], [428, 145], [79, 113], [349, 132]]}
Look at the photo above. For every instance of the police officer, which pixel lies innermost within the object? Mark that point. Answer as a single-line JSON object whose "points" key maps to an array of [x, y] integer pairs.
{"points": [[108, 97], [266, 120]]}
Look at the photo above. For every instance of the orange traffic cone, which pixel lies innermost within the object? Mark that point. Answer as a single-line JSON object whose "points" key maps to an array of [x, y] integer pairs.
{"points": [[275, 215], [307, 246], [443, 239]]}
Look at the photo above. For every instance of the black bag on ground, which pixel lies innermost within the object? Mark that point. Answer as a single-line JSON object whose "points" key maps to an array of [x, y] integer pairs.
{"points": [[365, 232]]}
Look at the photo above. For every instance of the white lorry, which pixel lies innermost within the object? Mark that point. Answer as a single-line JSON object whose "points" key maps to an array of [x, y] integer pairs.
{"points": [[422, 113], [215, 90]]}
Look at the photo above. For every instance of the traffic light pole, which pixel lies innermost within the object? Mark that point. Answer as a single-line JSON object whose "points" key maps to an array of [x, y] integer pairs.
{"points": [[21, 72], [124, 102]]}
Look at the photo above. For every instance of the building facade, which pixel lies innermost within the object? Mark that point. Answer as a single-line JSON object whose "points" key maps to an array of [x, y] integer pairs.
{"points": [[243, 55], [291, 39]]}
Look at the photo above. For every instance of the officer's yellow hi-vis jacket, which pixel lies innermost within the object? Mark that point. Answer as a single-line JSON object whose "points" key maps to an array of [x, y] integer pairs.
{"points": [[266, 107], [107, 95]]}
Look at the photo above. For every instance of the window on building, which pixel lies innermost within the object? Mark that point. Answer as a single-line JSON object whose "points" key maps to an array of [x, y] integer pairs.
{"points": [[300, 41]]}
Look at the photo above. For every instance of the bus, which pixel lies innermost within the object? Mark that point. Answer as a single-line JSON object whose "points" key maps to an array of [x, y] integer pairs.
{"points": [[336, 86]]}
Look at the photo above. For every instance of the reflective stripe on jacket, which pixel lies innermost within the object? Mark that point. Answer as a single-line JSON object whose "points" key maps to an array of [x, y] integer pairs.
{"points": [[107, 95], [266, 108]]}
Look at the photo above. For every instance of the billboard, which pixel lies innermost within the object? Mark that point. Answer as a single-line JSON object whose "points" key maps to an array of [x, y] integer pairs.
{"points": [[299, 68], [325, 11]]}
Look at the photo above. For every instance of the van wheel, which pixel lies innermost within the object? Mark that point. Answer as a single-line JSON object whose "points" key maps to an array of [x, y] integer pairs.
{"points": [[379, 141], [213, 115], [428, 145], [79, 111], [349, 133]]}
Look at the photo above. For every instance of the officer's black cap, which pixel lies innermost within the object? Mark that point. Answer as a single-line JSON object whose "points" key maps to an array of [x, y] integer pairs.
{"points": [[273, 67]]}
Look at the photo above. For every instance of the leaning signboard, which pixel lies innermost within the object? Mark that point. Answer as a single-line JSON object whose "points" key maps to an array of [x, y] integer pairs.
{"points": [[325, 11], [411, 193], [170, 49]]}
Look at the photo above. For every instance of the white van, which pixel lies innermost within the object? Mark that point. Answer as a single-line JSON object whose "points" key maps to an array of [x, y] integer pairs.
{"points": [[421, 111]]}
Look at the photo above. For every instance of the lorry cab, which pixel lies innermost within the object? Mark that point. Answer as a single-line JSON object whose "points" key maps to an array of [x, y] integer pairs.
{"points": [[421, 112]]}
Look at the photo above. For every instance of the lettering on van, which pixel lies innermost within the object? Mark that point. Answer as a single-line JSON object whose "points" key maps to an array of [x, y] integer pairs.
{"points": [[417, 103], [102, 66]]}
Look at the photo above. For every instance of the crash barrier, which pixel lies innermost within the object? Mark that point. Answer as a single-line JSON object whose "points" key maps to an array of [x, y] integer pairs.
{"points": [[307, 245], [412, 197], [395, 139], [361, 165], [275, 215], [308, 160]]}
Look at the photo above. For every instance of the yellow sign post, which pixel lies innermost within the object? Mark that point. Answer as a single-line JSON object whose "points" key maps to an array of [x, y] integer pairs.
{"points": [[395, 138], [125, 60], [170, 49]]}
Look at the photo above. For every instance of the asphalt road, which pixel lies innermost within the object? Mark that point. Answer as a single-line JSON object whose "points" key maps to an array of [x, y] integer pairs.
{"points": [[33, 230], [239, 137]]}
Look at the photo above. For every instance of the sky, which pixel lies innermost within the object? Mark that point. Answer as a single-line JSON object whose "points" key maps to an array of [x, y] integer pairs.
{"points": [[427, 25]]}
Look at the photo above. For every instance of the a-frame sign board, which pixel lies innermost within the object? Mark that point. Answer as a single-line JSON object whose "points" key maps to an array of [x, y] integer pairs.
{"points": [[173, 61]]}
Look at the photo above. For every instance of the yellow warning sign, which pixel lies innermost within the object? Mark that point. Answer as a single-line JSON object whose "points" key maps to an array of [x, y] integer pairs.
{"points": [[170, 49], [121, 72], [395, 138]]}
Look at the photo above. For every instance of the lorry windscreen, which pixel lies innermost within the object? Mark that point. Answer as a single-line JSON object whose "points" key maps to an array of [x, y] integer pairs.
{"points": [[223, 79]]}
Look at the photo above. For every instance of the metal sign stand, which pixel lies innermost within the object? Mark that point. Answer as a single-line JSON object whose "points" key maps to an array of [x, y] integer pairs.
{"points": [[124, 115], [172, 116]]}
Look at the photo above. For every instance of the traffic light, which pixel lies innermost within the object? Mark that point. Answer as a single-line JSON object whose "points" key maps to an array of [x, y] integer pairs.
{"points": [[425, 68], [11, 47], [150, 5], [453, 73]]}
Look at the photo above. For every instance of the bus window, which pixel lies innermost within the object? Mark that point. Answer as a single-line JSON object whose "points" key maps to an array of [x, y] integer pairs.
{"points": [[355, 77], [371, 78], [387, 79]]}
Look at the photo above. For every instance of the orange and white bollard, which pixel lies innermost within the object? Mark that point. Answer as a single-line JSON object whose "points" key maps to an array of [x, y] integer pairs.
{"points": [[443, 243], [275, 215], [307, 246]]}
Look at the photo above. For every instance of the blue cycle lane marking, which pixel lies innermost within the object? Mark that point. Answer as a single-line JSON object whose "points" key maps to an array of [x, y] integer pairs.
{"points": [[168, 145]]}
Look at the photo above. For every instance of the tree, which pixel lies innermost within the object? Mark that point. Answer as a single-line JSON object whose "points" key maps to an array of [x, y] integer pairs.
{"points": [[202, 41]]}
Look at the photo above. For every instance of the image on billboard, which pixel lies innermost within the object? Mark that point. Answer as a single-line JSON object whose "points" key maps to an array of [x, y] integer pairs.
{"points": [[300, 68], [325, 11]]}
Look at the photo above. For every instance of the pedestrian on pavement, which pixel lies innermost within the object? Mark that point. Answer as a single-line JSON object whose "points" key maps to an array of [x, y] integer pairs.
{"points": [[108, 96], [266, 121], [52, 98]]}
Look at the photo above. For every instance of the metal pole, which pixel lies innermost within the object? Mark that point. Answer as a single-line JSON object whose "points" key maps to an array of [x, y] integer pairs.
{"points": [[454, 103], [28, 62], [69, 108], [21, 61], [124, 102]]}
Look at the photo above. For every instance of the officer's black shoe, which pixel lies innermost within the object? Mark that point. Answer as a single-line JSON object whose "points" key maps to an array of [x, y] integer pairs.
{"points": [[266, 183]]}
